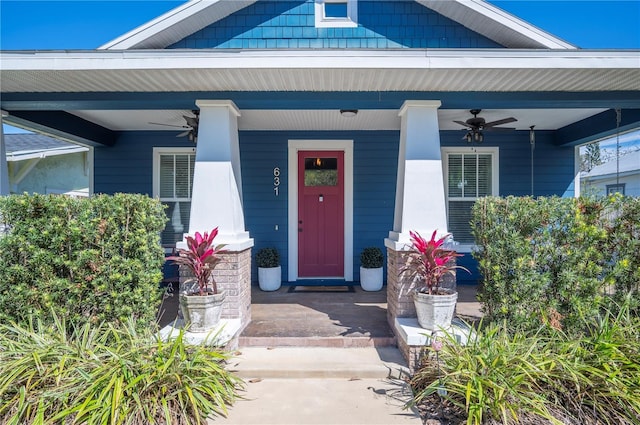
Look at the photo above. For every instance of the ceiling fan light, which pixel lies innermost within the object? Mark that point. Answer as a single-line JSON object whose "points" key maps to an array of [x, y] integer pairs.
{"points": [[348, 113], [469, 137]]}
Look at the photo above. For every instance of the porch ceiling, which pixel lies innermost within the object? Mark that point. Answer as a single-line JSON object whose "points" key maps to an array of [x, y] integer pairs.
{"points": [[330, 119]]}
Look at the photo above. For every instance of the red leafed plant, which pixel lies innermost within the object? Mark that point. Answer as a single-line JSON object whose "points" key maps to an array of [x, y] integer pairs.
{"points": [[428, 262], [200, 258]]}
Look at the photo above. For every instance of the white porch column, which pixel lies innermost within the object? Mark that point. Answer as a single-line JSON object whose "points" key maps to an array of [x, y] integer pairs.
{"points": [[420, 198], [4, 167], [216, 199]]}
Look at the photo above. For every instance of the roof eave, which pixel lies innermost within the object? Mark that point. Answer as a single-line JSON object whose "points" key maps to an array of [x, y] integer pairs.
{"points": [[496, 24], [176, 24], [43, 153]]}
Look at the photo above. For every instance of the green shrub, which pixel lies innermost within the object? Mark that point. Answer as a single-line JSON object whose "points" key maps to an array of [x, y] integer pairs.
{"points": [[371, 258], [268, 258], [555, 258], [544, 377], [103, 373], [621, 221], [89, 260]]}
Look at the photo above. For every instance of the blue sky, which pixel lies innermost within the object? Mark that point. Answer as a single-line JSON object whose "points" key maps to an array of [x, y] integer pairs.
{"points": [[78, 24]]}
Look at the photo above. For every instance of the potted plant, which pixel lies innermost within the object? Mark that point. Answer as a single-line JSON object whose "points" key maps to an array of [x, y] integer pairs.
{"points": [[371, 260], [201, 304], [269, 270], [427, 264]]}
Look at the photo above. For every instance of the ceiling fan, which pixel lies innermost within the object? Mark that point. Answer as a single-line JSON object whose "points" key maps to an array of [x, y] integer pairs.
{"points": [[476, 125], [191, 126]]}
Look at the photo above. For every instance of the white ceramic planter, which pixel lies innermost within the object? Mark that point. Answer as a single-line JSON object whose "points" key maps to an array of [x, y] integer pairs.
{"points": [[201, 313], [371, 279], [270, 278], [435, 312]]}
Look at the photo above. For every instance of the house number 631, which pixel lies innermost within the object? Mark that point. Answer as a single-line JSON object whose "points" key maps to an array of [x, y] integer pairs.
{"points": [[276, 180]]}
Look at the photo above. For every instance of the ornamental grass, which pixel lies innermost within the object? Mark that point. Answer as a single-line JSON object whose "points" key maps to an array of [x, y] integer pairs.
{"points": [[546, 377], [106, 374]]}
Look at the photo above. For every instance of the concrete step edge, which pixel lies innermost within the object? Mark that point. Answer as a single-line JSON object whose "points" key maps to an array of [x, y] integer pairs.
{"points": [[329, 342]]}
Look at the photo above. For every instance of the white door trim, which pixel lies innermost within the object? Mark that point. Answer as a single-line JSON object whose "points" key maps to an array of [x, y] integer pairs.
{"points": [[320, 145]]}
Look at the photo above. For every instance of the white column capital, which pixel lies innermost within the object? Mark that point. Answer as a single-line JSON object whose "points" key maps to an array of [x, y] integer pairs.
{"points": [[208, 103], [432, 104]]}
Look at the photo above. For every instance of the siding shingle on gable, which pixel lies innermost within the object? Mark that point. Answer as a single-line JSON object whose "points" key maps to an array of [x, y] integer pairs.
{"points": [[291, 25]]}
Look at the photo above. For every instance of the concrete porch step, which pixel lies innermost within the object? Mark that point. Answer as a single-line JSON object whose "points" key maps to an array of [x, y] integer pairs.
{"points": [[310, 341], [318, 362]]}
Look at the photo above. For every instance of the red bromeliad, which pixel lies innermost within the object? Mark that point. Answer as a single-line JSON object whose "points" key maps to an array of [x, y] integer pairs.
{"points": [[428, 262], [200, 258]]}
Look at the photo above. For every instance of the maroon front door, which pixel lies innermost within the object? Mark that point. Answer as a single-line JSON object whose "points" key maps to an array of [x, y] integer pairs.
{"points": [[321, 214]]}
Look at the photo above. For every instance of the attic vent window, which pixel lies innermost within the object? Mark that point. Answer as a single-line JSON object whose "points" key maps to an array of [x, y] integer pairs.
{"points": [[335, 10], [336, 13]]}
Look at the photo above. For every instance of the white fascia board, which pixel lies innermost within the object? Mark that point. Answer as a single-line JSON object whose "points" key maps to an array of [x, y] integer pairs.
{"points": [[176, 24], [463, 11], [347, 59], [31, 154]]}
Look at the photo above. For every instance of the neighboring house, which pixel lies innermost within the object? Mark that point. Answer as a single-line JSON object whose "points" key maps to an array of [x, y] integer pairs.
{"points": [[621, 176], [42, 164], [327, 126]]}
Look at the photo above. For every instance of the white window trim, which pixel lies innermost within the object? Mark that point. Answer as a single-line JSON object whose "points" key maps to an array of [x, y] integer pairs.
{"points": [[495, 183], [320, 145], [155, 170], [351, 21], [156, 164]]}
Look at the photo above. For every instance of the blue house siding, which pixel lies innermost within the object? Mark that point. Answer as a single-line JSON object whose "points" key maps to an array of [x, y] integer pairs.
{"points": [[291, 25], [127, 166], [260, 153], [374, 175], [553, 166]]}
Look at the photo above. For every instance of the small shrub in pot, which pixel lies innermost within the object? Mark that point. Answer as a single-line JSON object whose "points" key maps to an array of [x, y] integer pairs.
{"points": [[267, 258], [371, 258], [371, 274], [269, 270]]}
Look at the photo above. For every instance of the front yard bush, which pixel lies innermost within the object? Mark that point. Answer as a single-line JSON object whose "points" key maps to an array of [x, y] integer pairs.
{"points": [[557, 260], [89, 260], [536, 378], [109, 374]]}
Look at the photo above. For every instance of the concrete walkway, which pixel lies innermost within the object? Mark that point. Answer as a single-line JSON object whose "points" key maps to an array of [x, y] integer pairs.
{"points": [[318, 385]]}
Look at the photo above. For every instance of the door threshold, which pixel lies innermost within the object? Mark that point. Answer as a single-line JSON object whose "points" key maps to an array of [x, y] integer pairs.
{"points": [[321, 282]]}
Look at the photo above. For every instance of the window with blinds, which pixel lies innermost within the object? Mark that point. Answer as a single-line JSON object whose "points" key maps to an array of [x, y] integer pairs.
{"points": [[174, 190], [469, 177]]}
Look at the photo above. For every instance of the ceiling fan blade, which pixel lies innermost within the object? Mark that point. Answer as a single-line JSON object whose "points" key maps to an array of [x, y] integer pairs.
{"points": [[184, 133], [499, 129], [168, 125], [191, 121], [464, 124], [500, 122]]}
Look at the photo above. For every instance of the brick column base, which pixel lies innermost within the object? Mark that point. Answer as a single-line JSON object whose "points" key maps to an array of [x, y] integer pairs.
{"points": [[400, 303], [233, 276], [399, 297]]}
